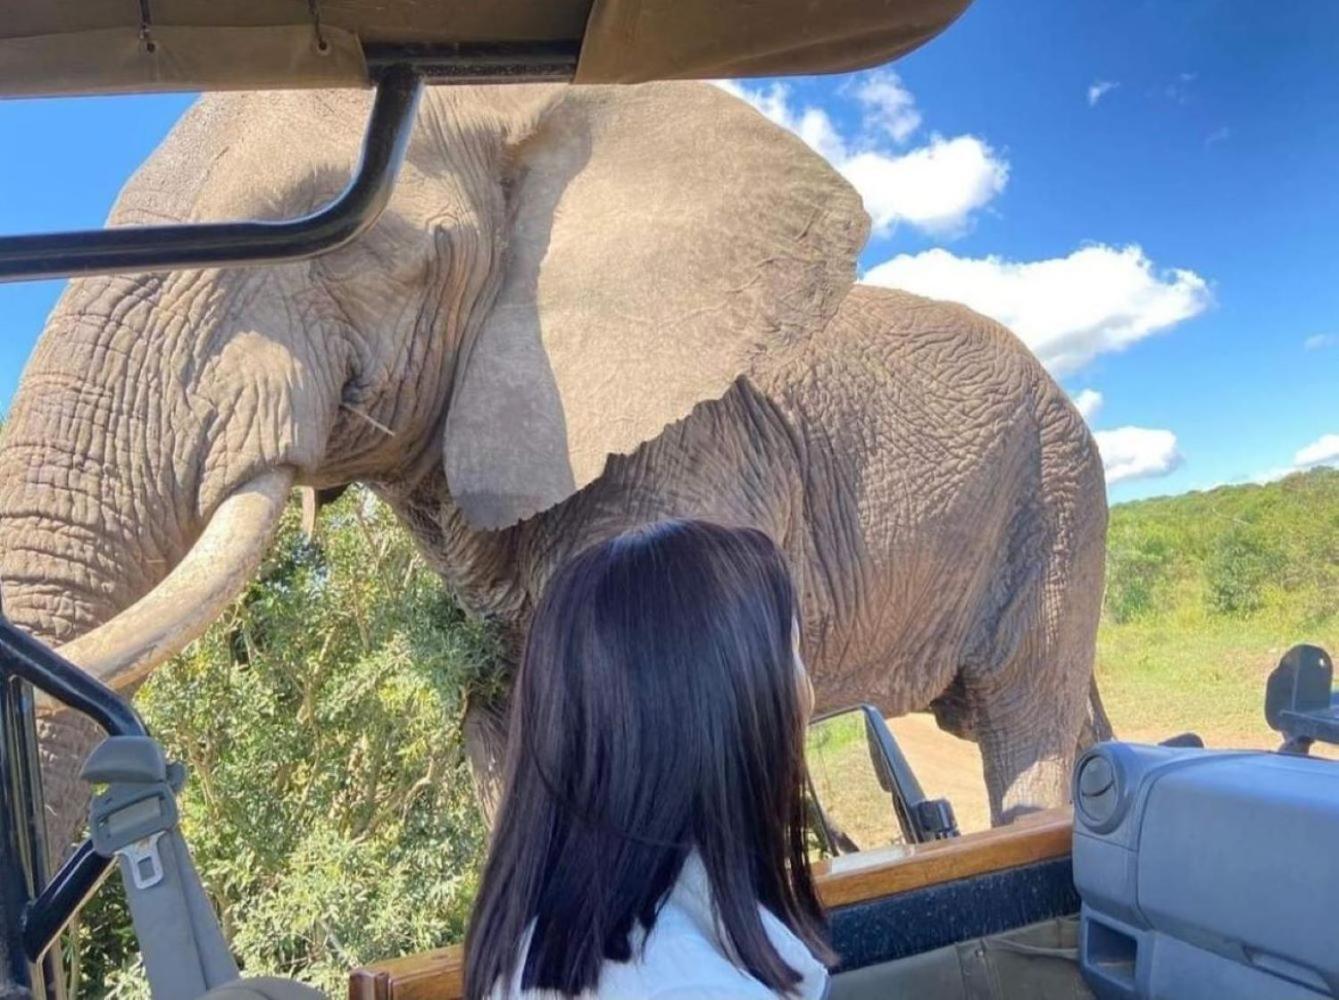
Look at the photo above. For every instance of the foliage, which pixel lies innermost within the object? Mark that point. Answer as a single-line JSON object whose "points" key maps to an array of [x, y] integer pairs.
{"points": [[1137, 568], [1239, 550], [329, 807], [1239, 567], [1205, 591]]}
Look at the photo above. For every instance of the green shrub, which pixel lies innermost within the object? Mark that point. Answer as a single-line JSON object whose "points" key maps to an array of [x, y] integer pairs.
{"points": [[1228, 552], [1240, 565], [1137, 572], [329, 807]]}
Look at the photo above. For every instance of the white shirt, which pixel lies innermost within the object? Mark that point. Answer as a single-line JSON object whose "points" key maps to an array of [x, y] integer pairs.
{"points": [[683, 957]]}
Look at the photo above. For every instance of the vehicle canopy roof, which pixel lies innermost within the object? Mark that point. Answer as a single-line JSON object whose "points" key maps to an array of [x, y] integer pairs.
{"points": [[60, 47]]}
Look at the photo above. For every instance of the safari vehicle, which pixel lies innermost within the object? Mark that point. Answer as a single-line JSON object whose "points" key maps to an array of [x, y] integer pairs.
{"points": [[1181, 871]]}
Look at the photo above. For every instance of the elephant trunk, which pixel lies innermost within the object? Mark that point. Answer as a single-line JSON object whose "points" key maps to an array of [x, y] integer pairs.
{"points": [[121, 533], [59, 577], [122, 651]]}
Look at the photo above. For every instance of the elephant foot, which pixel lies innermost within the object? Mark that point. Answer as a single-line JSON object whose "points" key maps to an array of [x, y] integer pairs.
{"points": [[1042, 785]]}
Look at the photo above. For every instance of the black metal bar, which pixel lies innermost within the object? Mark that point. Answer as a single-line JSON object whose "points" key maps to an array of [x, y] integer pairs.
{"points": [[921, 819], [904, 778], [478, 62], [156, 248], [28, 779], [47, 915], [23, 656], [30, 782], [33, 912], [818, 818], [16, 874]]}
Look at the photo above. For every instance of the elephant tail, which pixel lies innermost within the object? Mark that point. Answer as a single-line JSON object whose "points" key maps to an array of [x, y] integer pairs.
{"points": [[1096, 726]]}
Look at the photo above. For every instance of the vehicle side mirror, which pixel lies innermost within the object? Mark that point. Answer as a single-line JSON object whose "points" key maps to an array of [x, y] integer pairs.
{"points": [[862, 791], [1300, 700]]}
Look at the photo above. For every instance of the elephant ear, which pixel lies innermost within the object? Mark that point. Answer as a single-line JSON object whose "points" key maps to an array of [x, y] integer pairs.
{"points": [[663, 241]]}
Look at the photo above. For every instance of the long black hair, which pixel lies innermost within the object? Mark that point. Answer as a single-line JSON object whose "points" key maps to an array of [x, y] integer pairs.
{"points": [[656, 712]]}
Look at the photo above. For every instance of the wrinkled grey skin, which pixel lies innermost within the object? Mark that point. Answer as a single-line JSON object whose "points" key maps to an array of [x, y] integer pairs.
{"points": [[940, 500]]}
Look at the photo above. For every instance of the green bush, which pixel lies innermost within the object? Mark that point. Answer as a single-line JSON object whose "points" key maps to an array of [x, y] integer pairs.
{"points": [[1228, 552], [1137, 571], [1239, 567], [329, 807]]}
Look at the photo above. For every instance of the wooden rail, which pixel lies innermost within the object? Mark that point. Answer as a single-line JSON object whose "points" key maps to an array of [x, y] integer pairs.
{"points": [[437, 975]]}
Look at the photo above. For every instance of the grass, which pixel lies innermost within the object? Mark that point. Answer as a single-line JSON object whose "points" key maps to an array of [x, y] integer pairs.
{"points": [[1168, 675], [844, 780], [1205, 592]]}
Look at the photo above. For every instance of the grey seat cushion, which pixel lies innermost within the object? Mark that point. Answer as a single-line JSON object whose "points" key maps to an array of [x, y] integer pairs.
{"points": [[264, 988]]}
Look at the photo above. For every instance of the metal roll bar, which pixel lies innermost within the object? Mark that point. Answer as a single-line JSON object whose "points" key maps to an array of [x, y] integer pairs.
{"points": [[400, 72], [33, 910], [213, 244], [477, 62]]}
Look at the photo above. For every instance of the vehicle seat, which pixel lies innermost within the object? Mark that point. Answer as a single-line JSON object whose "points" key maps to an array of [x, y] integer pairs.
{"points": [[264, 988]]}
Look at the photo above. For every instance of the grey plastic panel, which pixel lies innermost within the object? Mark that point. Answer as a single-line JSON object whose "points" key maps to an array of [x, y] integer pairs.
{"points": [[1207, 874]]}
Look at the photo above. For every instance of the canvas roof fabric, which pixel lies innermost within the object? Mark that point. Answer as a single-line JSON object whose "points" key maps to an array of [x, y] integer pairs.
{"points": [[55, 47]]}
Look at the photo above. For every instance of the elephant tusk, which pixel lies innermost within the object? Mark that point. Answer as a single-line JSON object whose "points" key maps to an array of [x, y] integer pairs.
{"points": [[311, 507], [182, 606]]}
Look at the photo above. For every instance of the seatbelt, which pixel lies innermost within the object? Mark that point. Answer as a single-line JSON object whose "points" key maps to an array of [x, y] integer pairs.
{"points": [[135, 819]]}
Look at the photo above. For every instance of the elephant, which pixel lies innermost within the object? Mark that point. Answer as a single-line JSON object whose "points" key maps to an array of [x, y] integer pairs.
{"points": [[584, 308]]}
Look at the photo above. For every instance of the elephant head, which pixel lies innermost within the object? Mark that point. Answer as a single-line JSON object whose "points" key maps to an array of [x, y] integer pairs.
{"points": [[560, 273]]}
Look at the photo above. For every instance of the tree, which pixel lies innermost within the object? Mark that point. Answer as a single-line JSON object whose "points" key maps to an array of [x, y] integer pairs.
{"points": [[329, 807], [1240, 565]]}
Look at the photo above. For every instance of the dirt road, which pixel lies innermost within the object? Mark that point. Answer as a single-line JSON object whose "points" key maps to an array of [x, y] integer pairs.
{"points": [[946, 767], [949, 767]]}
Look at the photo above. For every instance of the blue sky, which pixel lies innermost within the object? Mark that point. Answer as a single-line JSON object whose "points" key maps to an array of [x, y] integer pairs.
{"points": [[1145, 192]]}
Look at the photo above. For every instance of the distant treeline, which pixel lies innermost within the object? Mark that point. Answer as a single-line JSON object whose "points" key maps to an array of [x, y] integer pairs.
{"points": [[1237, 550]]}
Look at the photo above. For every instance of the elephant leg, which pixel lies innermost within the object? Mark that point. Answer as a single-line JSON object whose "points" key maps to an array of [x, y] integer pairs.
{"points": [[1030, 692], [1028, 718], [1027, 740], [486, 748], [1035, 706], [1034, 710]]}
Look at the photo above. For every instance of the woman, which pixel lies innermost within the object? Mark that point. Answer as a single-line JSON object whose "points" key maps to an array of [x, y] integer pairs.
{"points": [[650, 843]]}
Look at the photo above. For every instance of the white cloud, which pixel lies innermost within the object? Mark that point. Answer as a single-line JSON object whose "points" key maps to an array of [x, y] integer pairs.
{"points": [[1129, 452], [935, 187], [1067, 309], [1322, 451], [1320, 341], [1137, 453], [1088, 402], [889, 105], [1099, 89], [1217, 135]]}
